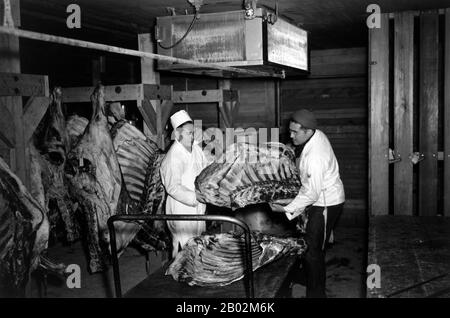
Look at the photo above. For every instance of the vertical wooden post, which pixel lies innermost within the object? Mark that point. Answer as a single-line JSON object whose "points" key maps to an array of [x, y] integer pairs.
{"points": [[225, 107], [151, 76], [379, 118], [10, 62], [429, 109], [403, 112], [447, 115], [278, 103], [96, 71]]}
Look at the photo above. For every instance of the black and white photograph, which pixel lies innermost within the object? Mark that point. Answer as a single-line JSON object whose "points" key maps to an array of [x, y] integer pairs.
{"points": [[224, 156]]}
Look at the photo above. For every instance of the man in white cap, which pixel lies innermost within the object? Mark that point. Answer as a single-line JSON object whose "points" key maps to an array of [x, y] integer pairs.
{"points": [[182, 164], [321, 195]]}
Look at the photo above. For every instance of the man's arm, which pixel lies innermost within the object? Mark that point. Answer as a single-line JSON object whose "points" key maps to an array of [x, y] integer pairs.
{"points": [[310, 190], [171, 179]]}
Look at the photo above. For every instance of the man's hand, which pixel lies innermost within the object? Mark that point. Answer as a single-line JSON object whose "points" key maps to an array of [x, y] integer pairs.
{"points": [[277, 208]]}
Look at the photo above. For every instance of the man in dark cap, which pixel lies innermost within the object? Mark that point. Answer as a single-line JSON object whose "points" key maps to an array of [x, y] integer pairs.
{"points": [[321, 195]]}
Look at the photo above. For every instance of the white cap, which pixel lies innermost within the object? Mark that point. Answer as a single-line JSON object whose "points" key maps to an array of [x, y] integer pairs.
{"points": [[179, 118]]}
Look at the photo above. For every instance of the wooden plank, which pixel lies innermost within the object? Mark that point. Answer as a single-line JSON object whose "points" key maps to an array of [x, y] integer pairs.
{"points": [[157, 92], [149, 75], [15, 12], [429, 112], [113, 93], [14, 84], [6, 125], [335, 113], [227, 106], [10, 63], [338, 62], [447, 115], [198, 96], [34, 112], [148, 115], [166, 108], [403, 112], [96, 71]]}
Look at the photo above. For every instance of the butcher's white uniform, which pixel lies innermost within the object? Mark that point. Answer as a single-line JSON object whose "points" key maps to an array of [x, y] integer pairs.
{"points": [[178, 172], [319, 174]]}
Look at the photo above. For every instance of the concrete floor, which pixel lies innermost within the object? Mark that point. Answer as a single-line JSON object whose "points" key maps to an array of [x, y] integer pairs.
{"points": [[345, 259]]}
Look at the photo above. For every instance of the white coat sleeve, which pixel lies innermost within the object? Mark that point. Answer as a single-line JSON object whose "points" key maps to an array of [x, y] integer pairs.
{"points": [[310, 190], [171, 178]]}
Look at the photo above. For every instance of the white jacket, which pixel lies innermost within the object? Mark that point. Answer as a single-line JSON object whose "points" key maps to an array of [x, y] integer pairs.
{"points": [[319, 174], [178, 172]]}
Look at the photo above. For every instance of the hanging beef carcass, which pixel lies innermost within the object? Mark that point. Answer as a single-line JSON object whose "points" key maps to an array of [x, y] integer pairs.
{"points": [[48, 150], [75, 127], [24, 230], [95, 181], [139, 159], [249, 174]]}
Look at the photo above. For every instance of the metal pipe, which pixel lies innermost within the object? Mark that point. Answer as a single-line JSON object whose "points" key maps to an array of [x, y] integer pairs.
{"points": [[142, 217], [114, 49]]}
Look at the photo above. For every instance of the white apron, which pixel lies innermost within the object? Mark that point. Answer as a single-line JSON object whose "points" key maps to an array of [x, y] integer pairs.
{"points": [[178, 172]]}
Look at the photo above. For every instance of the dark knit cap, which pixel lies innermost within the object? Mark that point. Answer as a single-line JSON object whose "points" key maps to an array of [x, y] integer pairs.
{"points": [[305, 118]]}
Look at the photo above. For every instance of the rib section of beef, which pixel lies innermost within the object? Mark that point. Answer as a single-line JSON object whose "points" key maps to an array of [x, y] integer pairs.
{"points": [[219, 259], [139, 159], [249, 174]]}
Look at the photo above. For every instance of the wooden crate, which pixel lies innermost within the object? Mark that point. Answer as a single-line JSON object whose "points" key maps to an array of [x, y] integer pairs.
{"points": [[228, 39]]}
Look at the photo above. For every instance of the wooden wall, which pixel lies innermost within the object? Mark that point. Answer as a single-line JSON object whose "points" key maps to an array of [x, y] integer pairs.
{"points": [[336, 91], [207, 112], [408, 78]]}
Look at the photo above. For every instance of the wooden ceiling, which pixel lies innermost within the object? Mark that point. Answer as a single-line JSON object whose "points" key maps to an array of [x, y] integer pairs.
{"points": [[332, 23]]}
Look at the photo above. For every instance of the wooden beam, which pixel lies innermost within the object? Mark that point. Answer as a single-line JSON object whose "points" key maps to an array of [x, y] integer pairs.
{"points": [[379, 118], [15, 12], [113, 93], [418, 13], [6, 125], [158, 92], [166, 109], [14, 84], [96, 71], [225, 120], [118, 50], [10, 63], [339, 62], [403, 111], [148, 115], [149, 75], [35, 110], [198, 96], [429, 112], [447, 115]]}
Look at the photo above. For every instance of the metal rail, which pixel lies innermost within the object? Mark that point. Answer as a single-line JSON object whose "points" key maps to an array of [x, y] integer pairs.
{"points": [[248, 270], [114, 49]]}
